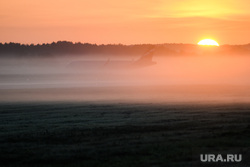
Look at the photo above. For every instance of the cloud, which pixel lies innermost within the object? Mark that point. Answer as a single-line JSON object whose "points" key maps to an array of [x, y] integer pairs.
{"points": [[196, 8]]}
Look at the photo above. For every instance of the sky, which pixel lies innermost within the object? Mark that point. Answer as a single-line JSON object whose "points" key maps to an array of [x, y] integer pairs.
{"points": [[125, 21]]}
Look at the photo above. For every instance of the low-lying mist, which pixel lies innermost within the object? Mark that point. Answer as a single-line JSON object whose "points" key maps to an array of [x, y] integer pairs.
{"points": [[203, 78]]}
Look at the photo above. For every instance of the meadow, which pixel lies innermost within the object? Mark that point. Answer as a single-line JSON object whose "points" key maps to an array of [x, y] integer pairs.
{"points": [[163, 115], [120, 134]]}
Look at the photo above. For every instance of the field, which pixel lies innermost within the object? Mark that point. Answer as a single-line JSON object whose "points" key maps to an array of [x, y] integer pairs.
{"points": [[120, 134], [160, 116]]}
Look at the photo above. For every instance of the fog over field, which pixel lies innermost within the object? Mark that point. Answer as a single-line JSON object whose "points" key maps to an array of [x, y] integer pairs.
{"points": [[146, 109], [107, 78]]}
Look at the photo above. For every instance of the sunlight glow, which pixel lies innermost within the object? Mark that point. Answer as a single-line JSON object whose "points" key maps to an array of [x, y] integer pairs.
{"points": [[208, 42]]}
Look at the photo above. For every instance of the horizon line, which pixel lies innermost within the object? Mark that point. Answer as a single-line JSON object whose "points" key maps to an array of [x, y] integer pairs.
{"points": [[35, 44]]}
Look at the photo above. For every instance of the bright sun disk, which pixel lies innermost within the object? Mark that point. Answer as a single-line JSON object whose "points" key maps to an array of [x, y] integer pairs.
{"points": [[209, 42]]}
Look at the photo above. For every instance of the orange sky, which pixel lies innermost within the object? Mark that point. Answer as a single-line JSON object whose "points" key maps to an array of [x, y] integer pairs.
{"points": [[126, 22]]}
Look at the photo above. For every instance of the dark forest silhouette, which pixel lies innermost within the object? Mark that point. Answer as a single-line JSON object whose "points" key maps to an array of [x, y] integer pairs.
{"points": [[70, 48]]}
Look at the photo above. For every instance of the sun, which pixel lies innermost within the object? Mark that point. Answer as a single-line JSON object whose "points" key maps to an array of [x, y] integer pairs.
{"points": [[209, 42]]}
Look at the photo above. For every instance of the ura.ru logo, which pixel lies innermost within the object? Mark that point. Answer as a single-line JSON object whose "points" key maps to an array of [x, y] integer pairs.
{"points": [[220, 158]]}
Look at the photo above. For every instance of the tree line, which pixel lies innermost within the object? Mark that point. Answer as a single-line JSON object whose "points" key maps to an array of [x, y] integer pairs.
{"points": [[70, 48]]}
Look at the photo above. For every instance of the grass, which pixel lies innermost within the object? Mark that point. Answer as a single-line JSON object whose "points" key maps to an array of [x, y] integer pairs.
{"points": [[91, 134]]}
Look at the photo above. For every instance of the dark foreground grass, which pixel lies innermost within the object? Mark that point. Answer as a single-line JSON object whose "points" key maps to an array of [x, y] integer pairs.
{"points": [[107, 135]]}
